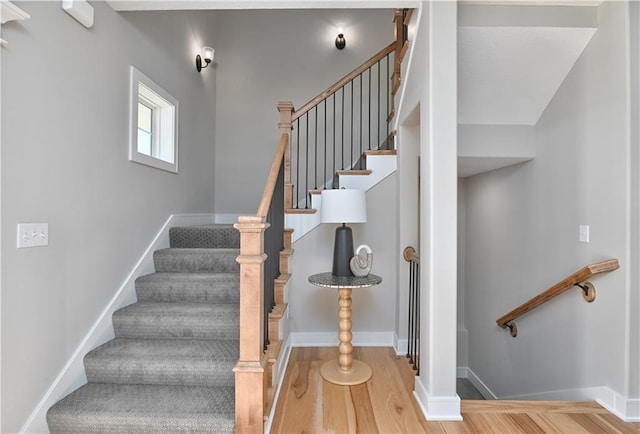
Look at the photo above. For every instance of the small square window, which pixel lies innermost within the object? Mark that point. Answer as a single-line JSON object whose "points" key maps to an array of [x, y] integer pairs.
{"points": [[154, 114]]}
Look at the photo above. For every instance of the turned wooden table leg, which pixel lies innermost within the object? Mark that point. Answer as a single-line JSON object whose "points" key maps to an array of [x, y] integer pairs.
{"points": [[344, 313], [345, 371]]}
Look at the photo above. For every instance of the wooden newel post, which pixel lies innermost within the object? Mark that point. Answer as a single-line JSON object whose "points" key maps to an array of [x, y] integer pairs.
{"points": [[249, 371], [285, 125]]}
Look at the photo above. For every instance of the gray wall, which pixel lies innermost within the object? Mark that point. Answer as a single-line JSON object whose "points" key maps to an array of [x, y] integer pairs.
{"points": [[64, 161], [270, 56], [522, 235]]}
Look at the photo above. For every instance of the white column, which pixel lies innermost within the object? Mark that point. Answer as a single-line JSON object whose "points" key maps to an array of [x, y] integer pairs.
{"points": [[436, 385]]}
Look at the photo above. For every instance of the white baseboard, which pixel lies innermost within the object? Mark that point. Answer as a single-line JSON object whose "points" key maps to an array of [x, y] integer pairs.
{"points": [[226, 219], [360, 339], [436, 407], [280, 371], [73, 375], [462, 372], [479, 384], [626, 409], [400, 345]]}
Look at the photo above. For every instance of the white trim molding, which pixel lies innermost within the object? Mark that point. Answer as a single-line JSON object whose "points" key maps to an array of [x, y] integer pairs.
{"points": [[436, 407], [626, 409], [80, 10], [279, 370], [73, 375], [10, 12]]}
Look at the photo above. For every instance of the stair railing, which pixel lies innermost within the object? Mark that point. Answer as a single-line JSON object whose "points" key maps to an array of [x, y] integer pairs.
{"points": [[261, 241], [576, 279], [413, 327], [332, 130]]}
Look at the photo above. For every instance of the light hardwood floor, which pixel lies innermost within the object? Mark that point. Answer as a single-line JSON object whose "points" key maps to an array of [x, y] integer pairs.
{"points": [[385, 404]]}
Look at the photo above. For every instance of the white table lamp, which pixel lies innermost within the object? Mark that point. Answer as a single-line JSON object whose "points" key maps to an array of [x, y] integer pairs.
{"points": [[343, 206]]}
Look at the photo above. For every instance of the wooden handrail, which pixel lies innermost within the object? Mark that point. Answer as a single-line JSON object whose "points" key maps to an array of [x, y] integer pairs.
{"points": [[409, 254], [344, 80], [576, 279], [270, 186]]}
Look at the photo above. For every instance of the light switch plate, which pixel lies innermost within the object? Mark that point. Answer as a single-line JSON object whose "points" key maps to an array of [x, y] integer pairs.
{"points": [[583, 233], [33, 235]]}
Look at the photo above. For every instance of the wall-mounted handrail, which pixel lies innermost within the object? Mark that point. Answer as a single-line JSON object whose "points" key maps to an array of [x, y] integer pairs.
{"points": [[576, 279], [413, 318]]}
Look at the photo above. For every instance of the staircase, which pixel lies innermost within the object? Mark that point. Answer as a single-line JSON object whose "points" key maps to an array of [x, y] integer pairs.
{"points": [[170, 366]]}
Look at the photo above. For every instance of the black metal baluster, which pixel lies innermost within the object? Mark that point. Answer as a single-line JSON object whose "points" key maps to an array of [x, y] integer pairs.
{"points": [[315, 151], [410, 316], [297, 194], [334, 135], [378, 126], [388, 98], [351, 127], [416, 365], [306, 174], [361, 114], [325, 143], [342, 129], [369, 117]]}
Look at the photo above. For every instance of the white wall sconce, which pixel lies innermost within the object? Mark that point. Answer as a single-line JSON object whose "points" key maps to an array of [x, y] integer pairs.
{"points": [[340, 41], [207, 56]]}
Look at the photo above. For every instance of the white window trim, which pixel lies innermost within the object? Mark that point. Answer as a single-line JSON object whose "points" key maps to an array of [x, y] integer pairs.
{"points": [[165, 127]]}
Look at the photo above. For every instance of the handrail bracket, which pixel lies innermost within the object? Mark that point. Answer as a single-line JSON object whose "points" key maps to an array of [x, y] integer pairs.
{"points": [[588, 291]]}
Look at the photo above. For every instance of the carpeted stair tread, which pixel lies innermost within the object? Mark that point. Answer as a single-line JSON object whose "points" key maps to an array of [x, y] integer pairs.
{"points": [[196, 260], [116, 408], [177, 320], [189, 287], [168, 362], [170, 367], [204, 236]]}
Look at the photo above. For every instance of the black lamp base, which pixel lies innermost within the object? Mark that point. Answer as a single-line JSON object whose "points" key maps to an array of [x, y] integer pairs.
{"points": [[342, 252]]}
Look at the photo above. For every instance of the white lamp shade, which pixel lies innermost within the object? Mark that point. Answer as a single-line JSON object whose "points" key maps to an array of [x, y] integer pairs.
{"points": [[343, 206], [208, 53]]}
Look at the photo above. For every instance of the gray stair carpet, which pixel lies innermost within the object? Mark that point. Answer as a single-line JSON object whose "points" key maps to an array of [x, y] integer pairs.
{"points": [[169, 368]]}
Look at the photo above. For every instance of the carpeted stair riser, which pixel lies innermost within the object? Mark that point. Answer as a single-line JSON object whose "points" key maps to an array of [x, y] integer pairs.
{"points": [[170, 368], [206, 236], [196, 260], [178, 321], [163, 362], [109, 408], [189, 287]]}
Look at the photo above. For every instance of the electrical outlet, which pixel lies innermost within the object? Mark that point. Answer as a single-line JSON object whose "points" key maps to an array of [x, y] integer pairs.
{"points": [[583, 233], [33, 234]]}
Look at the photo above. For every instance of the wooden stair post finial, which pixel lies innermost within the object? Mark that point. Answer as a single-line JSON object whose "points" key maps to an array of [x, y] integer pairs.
{"points": [[285, 108]]}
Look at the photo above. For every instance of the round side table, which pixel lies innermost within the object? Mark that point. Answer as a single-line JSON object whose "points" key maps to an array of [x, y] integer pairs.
{"points": [[345, 371]]}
